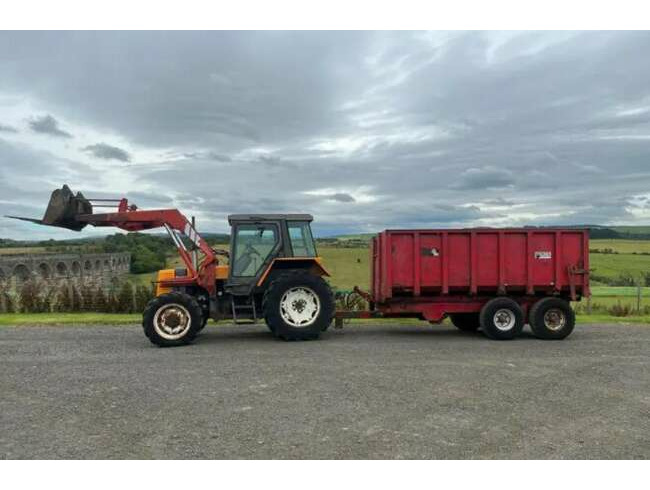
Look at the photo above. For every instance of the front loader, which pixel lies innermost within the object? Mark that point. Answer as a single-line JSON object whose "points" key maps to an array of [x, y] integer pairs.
{"points": [[274, 271]]}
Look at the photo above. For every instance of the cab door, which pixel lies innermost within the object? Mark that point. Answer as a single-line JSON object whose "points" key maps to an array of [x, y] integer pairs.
{"points": [[253, 247]]}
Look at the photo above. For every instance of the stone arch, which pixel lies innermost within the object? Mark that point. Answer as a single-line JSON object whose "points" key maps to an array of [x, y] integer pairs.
{"points": [[44, 270], [61, 269], [107, 265], [76, 269], [21, 273], [88, 267], [98, 265]]}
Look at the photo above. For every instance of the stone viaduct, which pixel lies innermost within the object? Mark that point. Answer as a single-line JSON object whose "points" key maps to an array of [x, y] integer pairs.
{"points": [[16, 269]]}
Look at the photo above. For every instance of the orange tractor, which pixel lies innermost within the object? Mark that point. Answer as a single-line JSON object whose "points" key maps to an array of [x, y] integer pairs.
{"points": [[274, 270]]}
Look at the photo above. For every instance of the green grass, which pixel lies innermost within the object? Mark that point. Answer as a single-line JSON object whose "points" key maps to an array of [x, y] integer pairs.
{"points": [[621, 246], [68, 318], [22, 250], [348, 267]]}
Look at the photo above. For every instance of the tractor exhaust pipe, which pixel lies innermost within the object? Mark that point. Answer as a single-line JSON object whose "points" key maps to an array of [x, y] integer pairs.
{"points": [[63, 210]]}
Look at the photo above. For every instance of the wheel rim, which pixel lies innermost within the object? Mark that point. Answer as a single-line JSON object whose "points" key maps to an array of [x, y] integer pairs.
{"points": [[299, 307], [554, 319], [172, 321], [504, 319]]}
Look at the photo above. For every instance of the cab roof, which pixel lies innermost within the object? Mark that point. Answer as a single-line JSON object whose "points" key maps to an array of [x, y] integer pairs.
{"points": [[270, 217]]}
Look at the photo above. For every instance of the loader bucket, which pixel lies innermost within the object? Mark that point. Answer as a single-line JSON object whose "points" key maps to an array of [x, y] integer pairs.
{"points": [[63, 210]]}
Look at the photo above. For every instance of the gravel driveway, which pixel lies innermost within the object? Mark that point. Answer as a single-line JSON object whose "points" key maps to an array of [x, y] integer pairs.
{"points": [[362, 392]]}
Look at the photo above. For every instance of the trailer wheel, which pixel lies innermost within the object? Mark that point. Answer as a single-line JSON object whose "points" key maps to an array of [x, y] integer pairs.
{"points": [[552, 319], [467, 322], [298, 306], [501, 319], [172, 319]]}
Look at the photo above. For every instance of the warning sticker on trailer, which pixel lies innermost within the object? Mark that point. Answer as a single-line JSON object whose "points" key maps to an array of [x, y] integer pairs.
{"points": [[543, 255]]}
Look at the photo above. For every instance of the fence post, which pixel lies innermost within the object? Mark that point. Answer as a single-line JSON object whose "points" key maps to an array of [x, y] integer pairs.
{"points": [[638, 298]]}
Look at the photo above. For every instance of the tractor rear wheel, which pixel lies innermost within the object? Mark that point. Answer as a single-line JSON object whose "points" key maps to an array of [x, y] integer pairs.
{"points": [[467, 322], [172, 319], [298, 305]]}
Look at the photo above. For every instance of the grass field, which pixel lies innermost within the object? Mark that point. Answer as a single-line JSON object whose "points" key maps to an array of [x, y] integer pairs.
{"points": [[350, 267], [22, 250]]}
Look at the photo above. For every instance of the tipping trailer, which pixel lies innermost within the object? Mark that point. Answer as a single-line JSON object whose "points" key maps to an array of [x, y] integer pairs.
{"points": [[488, 278], [493, 279]]}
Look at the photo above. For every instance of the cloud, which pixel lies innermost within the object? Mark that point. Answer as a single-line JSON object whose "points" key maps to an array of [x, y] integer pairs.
{"points": [[484, 178], [108, 152], [48, 125], [341, 197], [374, 130], [7, 129]]}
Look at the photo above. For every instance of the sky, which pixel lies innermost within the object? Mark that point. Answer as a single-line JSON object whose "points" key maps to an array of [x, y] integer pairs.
{"points": [[364, 130]]}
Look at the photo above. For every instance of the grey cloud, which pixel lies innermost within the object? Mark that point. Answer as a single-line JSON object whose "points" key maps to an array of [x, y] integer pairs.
{"points": [[48, 125], [108, 152], [484, 178], [7, 129], [341, 197], [535, 127]]}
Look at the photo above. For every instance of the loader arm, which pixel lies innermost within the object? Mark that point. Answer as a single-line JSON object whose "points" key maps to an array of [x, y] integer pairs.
{"points": [[133, 219], [74, 212]]}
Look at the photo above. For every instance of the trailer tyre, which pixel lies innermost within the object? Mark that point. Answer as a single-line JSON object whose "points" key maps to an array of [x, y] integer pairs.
{"points": [[467, 322], [298, 305], [501, 319], [552, 319], [172, 319]]}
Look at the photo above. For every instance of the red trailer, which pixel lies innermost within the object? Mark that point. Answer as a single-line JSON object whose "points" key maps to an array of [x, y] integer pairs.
{"points": [[495, 279]]}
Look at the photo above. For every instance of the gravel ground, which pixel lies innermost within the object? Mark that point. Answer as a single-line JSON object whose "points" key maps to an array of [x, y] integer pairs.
{"points": [[362, 392]]}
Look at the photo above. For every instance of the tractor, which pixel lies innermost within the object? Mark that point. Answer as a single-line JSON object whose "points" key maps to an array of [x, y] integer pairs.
{"points": [[274, 271]]}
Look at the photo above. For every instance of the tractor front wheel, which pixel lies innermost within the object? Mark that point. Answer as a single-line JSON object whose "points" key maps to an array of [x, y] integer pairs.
{"points": [[172, 319], [298, 306]]}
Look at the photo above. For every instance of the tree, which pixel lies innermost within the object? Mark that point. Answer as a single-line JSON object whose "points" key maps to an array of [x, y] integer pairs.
{"points": [[8, 302], [29, 297], [125, 298], [87, 296], [77, 302], [143, 295], [64, 298], [100, 302]]}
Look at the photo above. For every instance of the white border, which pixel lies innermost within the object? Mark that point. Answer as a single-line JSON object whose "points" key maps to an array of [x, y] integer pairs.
{"points": [[325, 475], [331, 14]]}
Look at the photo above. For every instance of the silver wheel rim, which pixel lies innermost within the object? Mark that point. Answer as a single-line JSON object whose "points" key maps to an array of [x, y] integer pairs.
{"points": [[299, 307], [554, 319], [172, 321], [504, 319]]}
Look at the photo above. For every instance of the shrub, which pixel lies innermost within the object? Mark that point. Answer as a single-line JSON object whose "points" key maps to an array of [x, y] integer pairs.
{"points": [[125, 298], [143, 295], [620, 310], [64, 298], [100, 302]]}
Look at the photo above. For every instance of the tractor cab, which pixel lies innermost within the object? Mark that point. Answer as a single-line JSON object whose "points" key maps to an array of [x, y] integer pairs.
{"points": [[261, 244]]}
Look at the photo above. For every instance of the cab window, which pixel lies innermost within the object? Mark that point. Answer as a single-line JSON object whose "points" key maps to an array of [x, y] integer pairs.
{"points": [[302, 243], [252, 246]]}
